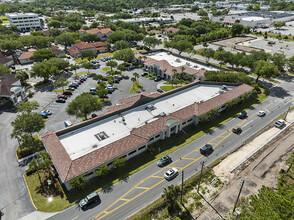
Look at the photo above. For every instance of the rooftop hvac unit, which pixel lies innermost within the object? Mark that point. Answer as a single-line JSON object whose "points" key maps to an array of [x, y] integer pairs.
{"points": [[162, 114]]}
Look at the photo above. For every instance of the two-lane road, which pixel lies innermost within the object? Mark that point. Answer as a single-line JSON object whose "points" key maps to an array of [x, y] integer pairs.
{"points": [[130, 195]]}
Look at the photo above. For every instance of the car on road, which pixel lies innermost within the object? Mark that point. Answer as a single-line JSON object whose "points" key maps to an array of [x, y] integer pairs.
{"points": [[280, 123], [47, 111], [61, 100], [205, 149], [91, 198], [171, 173], [242, 115], [160, 90], [237, 130], [163, 161], [157, 79], [44, 115], [67, 93], [261, 113], [62, 97]]}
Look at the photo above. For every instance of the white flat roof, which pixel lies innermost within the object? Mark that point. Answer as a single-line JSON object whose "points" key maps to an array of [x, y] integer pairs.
{"points": [[254, 19], [81, 141], [176, 61]]}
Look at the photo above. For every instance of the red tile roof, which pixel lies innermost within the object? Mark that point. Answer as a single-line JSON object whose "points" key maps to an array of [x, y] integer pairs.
{"points": [[171, 29], [27, 55], [56, 50], [69, 169], [103, 31], [4, 59], [6, 82], [84, 45], [73, 50]]}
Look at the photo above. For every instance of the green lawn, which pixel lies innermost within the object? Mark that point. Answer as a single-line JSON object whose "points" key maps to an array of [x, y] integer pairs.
{"points": [[42, 204], [135, 87], [61, 91], [168, 88], [80, 60], [136, 164], [105, 69], [104, 55]]}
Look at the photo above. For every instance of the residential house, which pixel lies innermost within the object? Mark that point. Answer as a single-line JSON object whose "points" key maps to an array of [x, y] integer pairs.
{"points": [[58, 52], [24, 58], [5, 59], [96, 47], [100, 31]]}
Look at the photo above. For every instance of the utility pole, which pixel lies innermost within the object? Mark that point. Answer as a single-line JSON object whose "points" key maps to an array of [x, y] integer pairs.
{"points": [[238, 195], [202, 165], [286, 113], [182, 187]]}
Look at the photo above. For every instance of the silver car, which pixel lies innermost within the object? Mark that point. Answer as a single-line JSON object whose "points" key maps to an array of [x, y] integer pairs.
{"points": [[171, 173]]}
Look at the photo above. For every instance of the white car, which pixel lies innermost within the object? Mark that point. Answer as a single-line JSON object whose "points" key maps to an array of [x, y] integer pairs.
{"points": [[48, 112], [171, 173], [261, 113], [280, 123]]}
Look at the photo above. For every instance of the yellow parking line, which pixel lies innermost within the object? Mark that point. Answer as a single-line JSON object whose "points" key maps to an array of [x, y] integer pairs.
{"points": [[141, 187], [157, 177], [124, 199], [187, 158]]}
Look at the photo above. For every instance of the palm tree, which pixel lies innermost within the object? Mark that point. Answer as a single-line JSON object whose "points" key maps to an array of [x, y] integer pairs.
{"points": [[140, 58], [144, 58], [170, 194], [136, 75], [46, 161], [74, 67], [182, 69], [35, 165], [133, 79]]}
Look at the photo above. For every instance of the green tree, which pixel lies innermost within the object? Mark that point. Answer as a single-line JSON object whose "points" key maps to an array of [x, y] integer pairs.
{"points": [[182, 45], [65, 39], [54, 24], [4, 69], [54, 32], [121, 44], [102, 171], [61, 82], [279, 59], [265, 69], [125, 54], [102, 93], [94, 24], [78, 182], [119, 162], [90, 38], [171, 194], [44, 70], [74, 67], [23, 76], [208, 53], [279, 24], [237, 29], [151, 42], [11, 46], [36, 165], [42, 54], [98, 77], [73, 26], [256, 7], [202, 13], [111, 64], [136, 75], [46, 161], [121, 68], [87, 65], [290, 64], [133, 79], [89, 54], [28, 106], [83, 105]]}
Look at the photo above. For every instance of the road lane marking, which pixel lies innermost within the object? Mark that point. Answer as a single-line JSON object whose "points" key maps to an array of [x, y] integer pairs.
{"points": [[141, 187], [124, 199], [187, 158], [193, 161]]}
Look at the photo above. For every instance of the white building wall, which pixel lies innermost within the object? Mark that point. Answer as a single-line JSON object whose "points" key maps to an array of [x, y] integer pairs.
{"points": [[29, 20]]}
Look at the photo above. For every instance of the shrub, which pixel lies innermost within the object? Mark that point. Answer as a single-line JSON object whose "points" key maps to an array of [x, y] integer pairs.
{"points": [[30, 171], [59, 190]]}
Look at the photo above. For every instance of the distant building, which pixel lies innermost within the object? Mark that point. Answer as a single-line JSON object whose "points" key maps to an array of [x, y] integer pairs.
{"points": [[24, 22], [59, 53], [170, 30], [100, 31], [25, 57], [11, 89], [5, 59], [96, 47]]}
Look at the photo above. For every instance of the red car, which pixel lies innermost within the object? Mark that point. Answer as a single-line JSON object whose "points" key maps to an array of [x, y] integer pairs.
{"points": [[81, 80], [62, 97], [67, 93], [94, 115]]}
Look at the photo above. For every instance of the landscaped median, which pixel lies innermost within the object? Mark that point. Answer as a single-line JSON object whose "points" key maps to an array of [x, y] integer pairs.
{"points": [[135, 87], [133, 165]]}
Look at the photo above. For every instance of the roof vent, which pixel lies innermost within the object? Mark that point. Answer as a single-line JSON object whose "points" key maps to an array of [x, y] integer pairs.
{"points": [[95, 146], [150, 107], [224, 87], [162, 114], [101, 136]]}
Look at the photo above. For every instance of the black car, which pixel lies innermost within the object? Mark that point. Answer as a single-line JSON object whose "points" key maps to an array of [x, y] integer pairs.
{"points": [[144, 74], [237, 130], [74, 85], [157, 79], [93, 197], [163, 161], [242, 115], [60, 100], [160, 90], [206, 149]]}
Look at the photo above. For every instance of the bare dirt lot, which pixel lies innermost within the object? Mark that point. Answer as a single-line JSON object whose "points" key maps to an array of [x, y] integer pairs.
{"points": [[237, 43], [261, 169]]}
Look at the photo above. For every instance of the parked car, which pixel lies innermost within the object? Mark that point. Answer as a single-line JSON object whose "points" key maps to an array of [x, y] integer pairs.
{"points": [[160, 90], [237, 130], [280, 123], [70, 88], [47, 111], [93, 197], [157, 79], [94, 115], [242, 115], [78, 82], [131, 67], [126, 77], [43, 115], [171, 173], [261, 113], [93, 91], [67, 93], [66, 69], [60, 100], [144, 74], [163, 161], [62, 97], [94, 61], [205, 149], [74, 85]]}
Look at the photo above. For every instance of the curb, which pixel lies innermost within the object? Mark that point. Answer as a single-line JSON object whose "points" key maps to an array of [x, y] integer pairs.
{"points": [[259, 148], [29, 191]]}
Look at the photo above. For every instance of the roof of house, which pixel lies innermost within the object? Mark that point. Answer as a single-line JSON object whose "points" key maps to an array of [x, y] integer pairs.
{"points": [[84, 45], [171, 29], [56, 50], [103, 31], [69, 168], [6, 82], [73, 50], [4, 59], [27, 55]]}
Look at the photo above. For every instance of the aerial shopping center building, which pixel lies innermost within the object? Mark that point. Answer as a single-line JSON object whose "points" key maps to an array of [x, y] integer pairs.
{"points": [[127, 129]]}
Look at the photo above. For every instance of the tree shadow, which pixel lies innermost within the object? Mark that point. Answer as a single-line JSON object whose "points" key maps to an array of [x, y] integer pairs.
{"points": [[108, 189], [188, 215]]}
